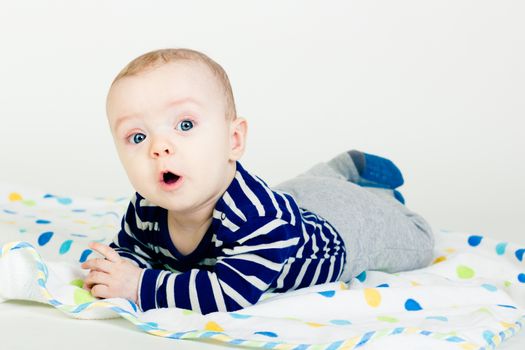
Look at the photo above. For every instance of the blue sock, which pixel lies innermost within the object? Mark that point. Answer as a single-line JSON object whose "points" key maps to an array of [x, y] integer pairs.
{"points": [[399, 196], [375, 171]]}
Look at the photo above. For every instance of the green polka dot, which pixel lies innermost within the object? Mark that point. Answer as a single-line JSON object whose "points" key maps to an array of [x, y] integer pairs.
{"points": [[387, 319], [187, 312], [507, 284], [29, 202], [484, 310], [77, 283], [82, 296], [464, 272]]}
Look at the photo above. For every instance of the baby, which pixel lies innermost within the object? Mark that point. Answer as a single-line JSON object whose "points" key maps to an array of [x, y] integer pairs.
{"points": [[205, 234]]}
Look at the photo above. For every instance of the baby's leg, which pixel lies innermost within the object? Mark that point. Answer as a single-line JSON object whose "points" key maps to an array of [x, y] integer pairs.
{"points": [[363, 169], [379, 232]]}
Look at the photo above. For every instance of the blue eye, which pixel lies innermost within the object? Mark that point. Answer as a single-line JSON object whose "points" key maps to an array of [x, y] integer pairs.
{"points": [[185, 125], [137, 138]]}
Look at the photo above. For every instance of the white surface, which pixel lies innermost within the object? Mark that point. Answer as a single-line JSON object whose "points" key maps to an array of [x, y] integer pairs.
{"points": [[50, 329], [437, 86]]}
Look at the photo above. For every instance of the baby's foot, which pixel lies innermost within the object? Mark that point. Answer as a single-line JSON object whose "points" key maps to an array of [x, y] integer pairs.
{"points": [[375, 171]]}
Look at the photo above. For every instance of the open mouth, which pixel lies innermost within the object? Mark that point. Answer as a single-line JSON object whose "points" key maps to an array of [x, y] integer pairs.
{"points": [[170, 178]]}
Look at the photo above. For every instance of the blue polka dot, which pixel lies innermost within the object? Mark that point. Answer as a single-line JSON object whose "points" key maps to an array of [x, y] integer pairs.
{"points": [[64, 248], [488, 336], [521, 277], [500, 248], [43, 222], [64, 200], [519, 254], [474, 241], [9, 212], [268, 334], [133, 305], [78, 235], [340, 322], [412, 305], [455, 339], [438, 318], [48, 196], [507, 306], [84, 255], [44, 238], [239, 316], [328, 293], [489, 287], [362, 276], [384, 285]]}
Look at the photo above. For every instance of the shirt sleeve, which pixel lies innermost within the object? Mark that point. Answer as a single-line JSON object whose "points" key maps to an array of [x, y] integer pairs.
{"points": [[245, 269], [127, 244]]}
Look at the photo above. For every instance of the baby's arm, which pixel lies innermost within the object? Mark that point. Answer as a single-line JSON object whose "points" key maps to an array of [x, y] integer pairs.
{"points": [[244, 271], [126, 244]]}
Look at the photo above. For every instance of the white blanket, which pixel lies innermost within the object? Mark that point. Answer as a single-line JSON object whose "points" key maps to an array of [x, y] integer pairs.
{"points": [[471, 297]]}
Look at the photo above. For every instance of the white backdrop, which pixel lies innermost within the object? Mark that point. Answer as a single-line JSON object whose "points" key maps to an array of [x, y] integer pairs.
{"points": [[437, 86]]}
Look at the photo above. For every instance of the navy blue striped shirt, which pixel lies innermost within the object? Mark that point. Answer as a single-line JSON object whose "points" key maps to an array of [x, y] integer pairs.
{"points": [[259, 240]]}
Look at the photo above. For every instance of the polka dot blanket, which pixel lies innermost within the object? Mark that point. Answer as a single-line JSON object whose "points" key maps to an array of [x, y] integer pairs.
{"points": [[471, 297]]}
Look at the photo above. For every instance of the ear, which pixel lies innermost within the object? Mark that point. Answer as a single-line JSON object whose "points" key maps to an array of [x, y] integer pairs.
{"points": [[238, 131]]}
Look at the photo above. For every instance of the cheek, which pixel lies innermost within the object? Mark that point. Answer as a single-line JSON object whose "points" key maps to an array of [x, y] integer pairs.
{"points": [[133, 165]]}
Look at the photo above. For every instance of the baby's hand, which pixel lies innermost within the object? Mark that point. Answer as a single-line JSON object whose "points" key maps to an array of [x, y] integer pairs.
{"points": [[112, 277]]}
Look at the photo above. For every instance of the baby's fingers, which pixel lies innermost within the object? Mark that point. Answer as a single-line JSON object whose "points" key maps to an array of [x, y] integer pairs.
{"points": [[100, 291], [96, 277], [97, 265], [105, 251]]}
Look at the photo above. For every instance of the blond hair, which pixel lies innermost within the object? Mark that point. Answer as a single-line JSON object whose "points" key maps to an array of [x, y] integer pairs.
{"points": [[156, 58]]}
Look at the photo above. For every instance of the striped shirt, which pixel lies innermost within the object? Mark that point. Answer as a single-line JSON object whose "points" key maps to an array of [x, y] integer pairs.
{"points": [[259, 240]]}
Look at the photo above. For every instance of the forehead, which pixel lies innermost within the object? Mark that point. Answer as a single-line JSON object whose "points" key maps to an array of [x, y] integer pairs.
{"points": [[161, 84]]}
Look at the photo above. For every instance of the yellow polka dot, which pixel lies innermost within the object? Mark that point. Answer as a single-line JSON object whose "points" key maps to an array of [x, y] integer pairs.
{"points": [[439, 259], [313, 324], [213, 326], [80, 222], [469, 346], [506, 325], [13, 197], [450, 250], [372, 297], [414, 283]]}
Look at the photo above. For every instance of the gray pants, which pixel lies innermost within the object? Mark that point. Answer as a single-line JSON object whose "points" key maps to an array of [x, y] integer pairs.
{"points": [[379, 232]]}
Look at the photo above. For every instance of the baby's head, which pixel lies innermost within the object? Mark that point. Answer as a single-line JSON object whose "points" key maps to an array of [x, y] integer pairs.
{"points": [[172, 116]]}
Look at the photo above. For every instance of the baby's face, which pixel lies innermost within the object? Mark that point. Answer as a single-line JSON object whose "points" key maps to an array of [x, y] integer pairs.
{"points": [[172, 135]]}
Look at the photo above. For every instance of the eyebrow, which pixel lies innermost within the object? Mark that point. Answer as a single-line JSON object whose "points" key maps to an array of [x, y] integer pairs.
{"points": [[177, 102]]}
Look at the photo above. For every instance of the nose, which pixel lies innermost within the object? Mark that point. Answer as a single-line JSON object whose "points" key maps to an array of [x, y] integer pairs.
{"points": [[160, 147]]}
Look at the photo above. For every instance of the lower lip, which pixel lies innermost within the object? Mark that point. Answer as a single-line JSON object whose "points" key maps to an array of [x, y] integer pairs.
{"points": [[172, 186]]}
